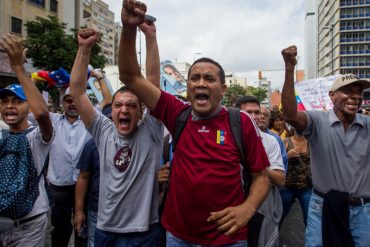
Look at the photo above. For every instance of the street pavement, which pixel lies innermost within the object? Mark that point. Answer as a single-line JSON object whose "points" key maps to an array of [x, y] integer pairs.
{"points": [[292, 229]]}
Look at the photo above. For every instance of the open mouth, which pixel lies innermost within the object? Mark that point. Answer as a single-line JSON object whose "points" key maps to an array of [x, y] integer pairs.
{"points": [[201, 98], [124, 122], [9, 116]]}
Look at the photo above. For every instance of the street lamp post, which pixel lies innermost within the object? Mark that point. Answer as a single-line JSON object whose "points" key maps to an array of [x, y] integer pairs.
{"points": [[331, 29]]}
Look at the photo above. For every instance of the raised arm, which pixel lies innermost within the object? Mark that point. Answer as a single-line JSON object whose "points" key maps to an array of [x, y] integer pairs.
{"points": [[107, 95], [288, 100], [87, 38], [133, 15], [17, 54], [152, 62]]}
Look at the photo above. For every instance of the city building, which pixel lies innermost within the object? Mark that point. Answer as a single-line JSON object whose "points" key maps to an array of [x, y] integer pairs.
{"points": [[232, 79], [117, 36], [102, 19], [275, 99], [266, 84], [15, 14], [344, 37], [300, 75], [310, 39]]}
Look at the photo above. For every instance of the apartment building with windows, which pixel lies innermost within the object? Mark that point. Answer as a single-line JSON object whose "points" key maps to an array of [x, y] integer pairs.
{"points": [[344, 37], [102, 19]]}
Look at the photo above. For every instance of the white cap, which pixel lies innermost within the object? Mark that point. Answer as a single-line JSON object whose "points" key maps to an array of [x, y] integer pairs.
{"points": [[345, 80]]}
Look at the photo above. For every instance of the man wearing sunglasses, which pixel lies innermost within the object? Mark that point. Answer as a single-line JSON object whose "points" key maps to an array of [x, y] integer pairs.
{"points": [[62, 172]]}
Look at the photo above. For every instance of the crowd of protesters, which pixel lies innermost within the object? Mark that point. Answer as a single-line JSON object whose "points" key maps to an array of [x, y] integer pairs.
{"points": [[146, 168]]}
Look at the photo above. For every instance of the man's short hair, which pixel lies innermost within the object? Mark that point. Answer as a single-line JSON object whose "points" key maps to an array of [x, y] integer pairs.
{"points": [[124, 89], [247, 99], [221, 72]]}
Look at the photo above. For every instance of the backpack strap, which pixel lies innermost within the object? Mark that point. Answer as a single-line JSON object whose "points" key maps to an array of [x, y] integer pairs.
{"points": [[166, 149], [236, 129], [180, 123], [44, 167]]}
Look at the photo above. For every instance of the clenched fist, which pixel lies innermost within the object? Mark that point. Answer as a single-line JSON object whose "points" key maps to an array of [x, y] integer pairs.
{"points": [[290, 56], [133, 13]]}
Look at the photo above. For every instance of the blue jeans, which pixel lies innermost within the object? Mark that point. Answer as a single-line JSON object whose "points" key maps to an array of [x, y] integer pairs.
{"points": [[289, 195], [91, 226], [173, 241], [359, 223], [149, 238]]}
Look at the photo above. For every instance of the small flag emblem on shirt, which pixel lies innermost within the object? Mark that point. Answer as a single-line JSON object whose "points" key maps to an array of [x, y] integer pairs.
{"points": [[221, 137]]}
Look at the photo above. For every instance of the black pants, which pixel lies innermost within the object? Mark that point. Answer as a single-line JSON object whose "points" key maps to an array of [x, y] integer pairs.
{"points": [[61, 216]]}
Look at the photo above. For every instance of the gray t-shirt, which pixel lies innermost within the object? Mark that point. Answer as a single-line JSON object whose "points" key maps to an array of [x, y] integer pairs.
{"points": [[339, 160], [129, 194]]}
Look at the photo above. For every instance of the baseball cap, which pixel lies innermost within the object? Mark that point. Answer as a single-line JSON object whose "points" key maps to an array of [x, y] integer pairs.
{"points": [[67, 92], [345, 80], [15, 89]]}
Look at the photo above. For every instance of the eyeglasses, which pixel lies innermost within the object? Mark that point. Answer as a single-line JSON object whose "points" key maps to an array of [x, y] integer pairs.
{"points": [[69, 101]]}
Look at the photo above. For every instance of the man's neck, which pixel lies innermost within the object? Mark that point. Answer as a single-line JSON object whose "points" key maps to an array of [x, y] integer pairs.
{"points": [[71, 119], [19, 127], [345, 119], [197, 117]]}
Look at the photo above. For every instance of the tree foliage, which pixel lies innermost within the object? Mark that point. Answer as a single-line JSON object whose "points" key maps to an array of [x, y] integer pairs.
{"points": [[50, 47], [258, 92], [235, 91]]}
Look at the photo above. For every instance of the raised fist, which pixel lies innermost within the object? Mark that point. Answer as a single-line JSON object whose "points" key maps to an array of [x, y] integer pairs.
{"points": [[12, 45], [290, 56], [87, 37], [133, 13]]}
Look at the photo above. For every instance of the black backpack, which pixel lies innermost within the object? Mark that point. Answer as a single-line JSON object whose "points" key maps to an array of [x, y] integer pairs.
{"points": [[19, 181], [235, 124]]}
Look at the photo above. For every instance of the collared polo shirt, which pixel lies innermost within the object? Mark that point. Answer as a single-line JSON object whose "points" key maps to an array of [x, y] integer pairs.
{"points": [[340, 159], [66, 150]]}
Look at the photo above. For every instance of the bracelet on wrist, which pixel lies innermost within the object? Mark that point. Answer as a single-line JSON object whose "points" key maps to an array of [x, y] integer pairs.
{"points": [[100, 78]]}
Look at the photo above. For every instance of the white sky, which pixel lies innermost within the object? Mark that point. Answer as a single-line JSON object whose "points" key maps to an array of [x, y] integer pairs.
{"points": [[244, 36]]}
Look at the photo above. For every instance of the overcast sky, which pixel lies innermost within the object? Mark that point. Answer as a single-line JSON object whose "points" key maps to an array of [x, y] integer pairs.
{"points": [[244, 36]]}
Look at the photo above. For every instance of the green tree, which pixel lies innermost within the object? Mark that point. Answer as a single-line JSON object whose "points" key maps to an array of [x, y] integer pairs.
{"points": [[258, 92], [233, 92], [50, 47]]}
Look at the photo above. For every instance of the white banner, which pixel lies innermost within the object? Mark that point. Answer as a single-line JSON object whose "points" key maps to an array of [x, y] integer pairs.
{"points": [[314, 93]]}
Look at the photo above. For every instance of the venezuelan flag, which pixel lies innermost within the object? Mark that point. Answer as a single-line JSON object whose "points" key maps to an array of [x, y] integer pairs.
{"points": [[221, 137], [300, 106]]}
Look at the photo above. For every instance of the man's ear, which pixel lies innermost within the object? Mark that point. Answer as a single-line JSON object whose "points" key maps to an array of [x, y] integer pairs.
{"points": [[332, 96], [223, 89]]}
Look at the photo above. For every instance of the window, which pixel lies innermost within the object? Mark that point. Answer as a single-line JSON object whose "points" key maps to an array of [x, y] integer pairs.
{"points": [[54, 6], [16, 25], [40, 3]]}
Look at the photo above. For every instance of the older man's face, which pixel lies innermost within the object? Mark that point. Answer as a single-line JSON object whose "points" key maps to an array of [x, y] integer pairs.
{"points": [[265, 118], [348, 99]]}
